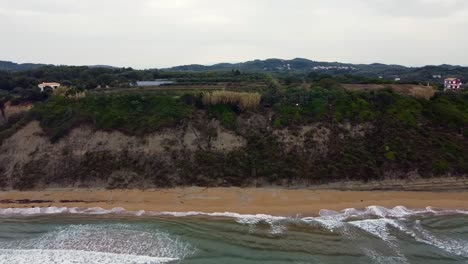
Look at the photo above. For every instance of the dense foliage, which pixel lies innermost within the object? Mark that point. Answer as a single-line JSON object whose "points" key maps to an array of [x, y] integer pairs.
{"points": [[305, 66], [134, 114], [91, 78]]}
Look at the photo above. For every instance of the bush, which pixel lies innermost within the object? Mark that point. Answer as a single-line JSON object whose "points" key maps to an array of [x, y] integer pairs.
{"points": [[136, 114], [299, 105], [406, 109], [352, 106], [443, 111], [390, 155], [441, 167], [225, 115]]}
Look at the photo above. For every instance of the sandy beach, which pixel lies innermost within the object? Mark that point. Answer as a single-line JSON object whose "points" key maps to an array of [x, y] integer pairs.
{"points": [[287, 202]]}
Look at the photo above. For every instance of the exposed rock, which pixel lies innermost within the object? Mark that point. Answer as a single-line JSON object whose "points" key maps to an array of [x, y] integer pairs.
{"points": [[30, 148], [318, 134]]}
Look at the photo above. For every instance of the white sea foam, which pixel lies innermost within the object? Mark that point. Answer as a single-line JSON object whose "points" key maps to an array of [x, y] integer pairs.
{"points": [[379, 228], [381, 259], [449, 245], [369, 212], [114, 243], [378, 221], [331, 220], [16, 256]]}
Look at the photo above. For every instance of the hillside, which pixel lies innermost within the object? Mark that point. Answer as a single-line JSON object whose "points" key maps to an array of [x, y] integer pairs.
{"points": [[292, 137], [15, 67], [11, 66], [299, 65]]}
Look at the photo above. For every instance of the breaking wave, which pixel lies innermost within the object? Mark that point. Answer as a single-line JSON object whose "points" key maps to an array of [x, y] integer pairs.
{"points": [[115, 243], [9, 256], [369, 212], [388, 226]]}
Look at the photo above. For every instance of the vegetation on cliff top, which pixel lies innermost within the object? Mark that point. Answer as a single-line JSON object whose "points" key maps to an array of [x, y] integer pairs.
{"points": [[133, 114]]}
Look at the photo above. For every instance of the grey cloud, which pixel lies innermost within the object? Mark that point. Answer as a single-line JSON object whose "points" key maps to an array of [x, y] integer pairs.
{"points": [[418, 8], [155, 33]]}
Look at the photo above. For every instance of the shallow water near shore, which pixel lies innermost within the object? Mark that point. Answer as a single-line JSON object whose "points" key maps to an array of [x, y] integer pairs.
{"points": [[371, 235]]}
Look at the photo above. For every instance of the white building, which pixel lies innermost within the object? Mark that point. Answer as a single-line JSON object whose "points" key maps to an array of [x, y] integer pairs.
{"points": [[52, 85]]}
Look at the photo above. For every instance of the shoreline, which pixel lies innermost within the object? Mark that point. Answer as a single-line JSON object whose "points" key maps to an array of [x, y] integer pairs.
{"points": [[271, 201]]}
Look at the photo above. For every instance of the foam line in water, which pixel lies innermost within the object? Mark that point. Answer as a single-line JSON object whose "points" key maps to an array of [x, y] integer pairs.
{"points": [[17, 256], [325, 215]]}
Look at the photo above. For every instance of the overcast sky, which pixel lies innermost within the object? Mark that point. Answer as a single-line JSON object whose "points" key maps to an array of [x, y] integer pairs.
{"points": [[161, 33]]}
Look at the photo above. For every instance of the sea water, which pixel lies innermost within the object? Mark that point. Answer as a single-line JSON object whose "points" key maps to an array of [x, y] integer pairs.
{"points": [[370, 235]]}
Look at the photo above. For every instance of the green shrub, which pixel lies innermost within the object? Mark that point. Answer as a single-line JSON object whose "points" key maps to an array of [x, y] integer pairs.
{"points": [[441, 167], [390, 155], [443, 111], [137, 114], [225, 115], [288, 114], [406, 109], [298, 106], [353, 106]]}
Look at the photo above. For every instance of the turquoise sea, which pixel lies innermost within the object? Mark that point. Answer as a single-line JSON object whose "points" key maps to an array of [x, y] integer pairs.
{"points": [[371, 235]]}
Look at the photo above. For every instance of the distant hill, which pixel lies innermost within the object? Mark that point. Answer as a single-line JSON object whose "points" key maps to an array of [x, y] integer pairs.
{"points": [[14, 67], [11, 66], [279, 65], [102, 66], [304, 66], [300, 65]]}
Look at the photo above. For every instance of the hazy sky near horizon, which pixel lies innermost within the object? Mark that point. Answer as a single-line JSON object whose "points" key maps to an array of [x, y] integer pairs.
{"points": [[162, 33]]}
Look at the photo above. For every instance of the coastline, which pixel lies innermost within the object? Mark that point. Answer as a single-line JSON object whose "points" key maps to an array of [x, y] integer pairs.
{"points": [[271, 201]]}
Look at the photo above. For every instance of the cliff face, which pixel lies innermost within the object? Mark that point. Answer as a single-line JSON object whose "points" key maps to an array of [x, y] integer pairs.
{"points": [[87, 156], [8, 111], [202, 152]]}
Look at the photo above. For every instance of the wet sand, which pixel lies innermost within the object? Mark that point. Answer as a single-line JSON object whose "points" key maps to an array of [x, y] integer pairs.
{"points": [[287, 202]]}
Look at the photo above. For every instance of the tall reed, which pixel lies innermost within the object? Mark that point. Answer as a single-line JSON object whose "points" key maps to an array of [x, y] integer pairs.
{"points": [[245, 101]]}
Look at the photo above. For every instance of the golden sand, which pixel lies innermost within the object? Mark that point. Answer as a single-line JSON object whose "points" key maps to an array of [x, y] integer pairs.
{"points": [[271, 201]]}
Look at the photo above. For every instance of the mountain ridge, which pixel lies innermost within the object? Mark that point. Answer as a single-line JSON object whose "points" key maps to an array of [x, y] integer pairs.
{"points": [[301, 65], [395, 72], [15, 67]]}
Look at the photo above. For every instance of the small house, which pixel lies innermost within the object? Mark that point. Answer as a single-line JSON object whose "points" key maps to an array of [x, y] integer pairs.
{"points": [[50, 85], [453, 84]]}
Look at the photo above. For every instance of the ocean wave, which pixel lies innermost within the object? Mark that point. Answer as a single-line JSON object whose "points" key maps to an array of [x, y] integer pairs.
{"points": [[332, 221], [386, 224], [370, 212], [96, 243], [19, 256]]}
